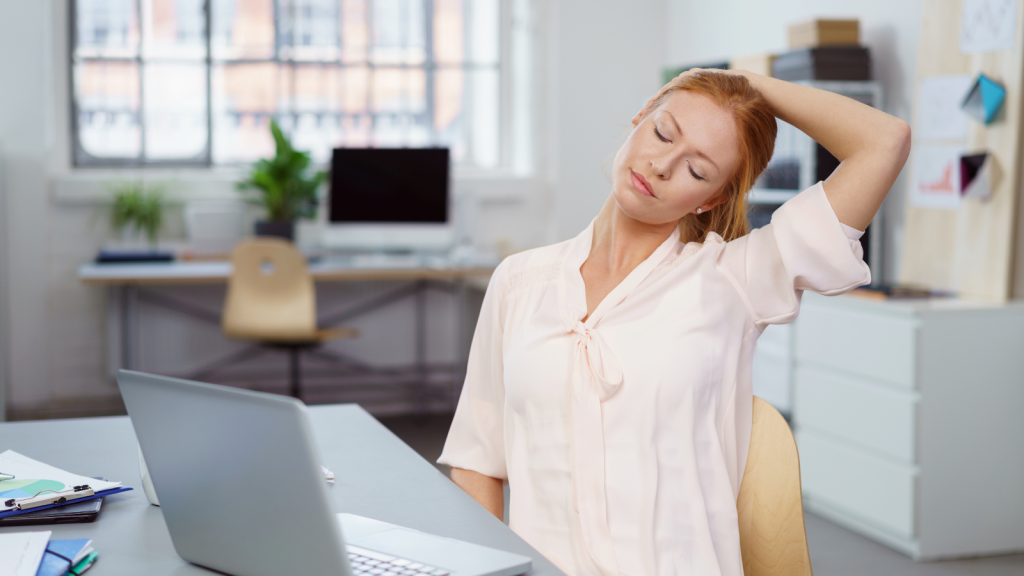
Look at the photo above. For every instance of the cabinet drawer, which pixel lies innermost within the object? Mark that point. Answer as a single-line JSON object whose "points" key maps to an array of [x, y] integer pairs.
{"points": [[879, 418], [871, 489], [878, 346]]}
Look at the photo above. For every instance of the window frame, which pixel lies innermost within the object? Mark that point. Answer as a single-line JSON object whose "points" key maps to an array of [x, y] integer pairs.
{"points": [[509, 133]]}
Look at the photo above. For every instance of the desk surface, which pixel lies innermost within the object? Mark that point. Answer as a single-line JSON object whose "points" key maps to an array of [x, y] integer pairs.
{"points": [[377, 476], [327, 270]]}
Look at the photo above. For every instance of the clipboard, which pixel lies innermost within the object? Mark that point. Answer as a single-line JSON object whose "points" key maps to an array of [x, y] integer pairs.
{"points": [[81, 511], [95, 496]]}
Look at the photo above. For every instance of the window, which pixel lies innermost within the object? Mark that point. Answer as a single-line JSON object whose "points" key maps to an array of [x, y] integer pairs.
{"points": [[196, 82]]}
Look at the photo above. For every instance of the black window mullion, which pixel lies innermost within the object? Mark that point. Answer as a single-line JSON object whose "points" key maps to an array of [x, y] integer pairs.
{"points": [[371, 66], [208, 13], [428, 68], [292, 66], [142, 81], [76, 153]]}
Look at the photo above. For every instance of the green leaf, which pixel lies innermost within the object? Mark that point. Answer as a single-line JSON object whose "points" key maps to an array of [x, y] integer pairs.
{"points": [[285, 191]]}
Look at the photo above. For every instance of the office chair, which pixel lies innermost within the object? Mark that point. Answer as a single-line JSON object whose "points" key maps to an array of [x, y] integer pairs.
{"points": [[271, 300], [773, 539]]}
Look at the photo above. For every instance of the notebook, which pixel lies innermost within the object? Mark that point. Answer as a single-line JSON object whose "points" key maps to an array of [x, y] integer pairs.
{"points": [[61, 555]]}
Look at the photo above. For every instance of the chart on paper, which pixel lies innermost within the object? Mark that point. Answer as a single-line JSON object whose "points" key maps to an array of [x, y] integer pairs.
{"points": [[31, 476], [27, 488]]}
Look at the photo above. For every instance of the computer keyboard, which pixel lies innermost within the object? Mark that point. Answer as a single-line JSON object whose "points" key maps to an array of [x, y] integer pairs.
{"points": [[369, 562]]}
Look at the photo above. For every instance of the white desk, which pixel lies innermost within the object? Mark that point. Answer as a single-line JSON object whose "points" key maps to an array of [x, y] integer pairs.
{"points": [[417, 274], [378, 476]]}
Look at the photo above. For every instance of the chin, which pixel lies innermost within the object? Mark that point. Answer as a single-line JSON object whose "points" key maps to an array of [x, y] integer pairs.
{"points": [[640, 208]]}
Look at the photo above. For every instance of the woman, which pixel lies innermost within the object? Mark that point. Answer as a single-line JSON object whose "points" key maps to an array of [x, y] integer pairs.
{"points": [[609, 375]]}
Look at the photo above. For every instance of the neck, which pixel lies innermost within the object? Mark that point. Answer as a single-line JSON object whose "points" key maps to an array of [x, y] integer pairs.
{"points": [[620, 242]]}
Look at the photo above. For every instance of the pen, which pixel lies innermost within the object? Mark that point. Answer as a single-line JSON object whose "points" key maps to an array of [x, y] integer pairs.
{"points": [[6, 476]]}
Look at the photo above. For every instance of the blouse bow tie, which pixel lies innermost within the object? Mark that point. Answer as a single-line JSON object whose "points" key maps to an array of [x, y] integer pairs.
{"points": [[596, 377], [603, 373]]}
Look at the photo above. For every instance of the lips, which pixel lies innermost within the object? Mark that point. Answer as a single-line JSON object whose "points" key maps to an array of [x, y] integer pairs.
{"points": [[641, 184]]}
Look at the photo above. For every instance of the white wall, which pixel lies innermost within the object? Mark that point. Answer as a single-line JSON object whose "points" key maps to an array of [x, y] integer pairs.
{"points": [[26, 122], [595, 64], [709, 31], [607, 58]]}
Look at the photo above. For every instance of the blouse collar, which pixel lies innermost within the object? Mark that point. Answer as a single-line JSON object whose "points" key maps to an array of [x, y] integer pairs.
{"points": [[573, 291]]}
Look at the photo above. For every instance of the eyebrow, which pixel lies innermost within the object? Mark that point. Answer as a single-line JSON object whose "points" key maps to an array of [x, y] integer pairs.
{"points": [[699, 153]]}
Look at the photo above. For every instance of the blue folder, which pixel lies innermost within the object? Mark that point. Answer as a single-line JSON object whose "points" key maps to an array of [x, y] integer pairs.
{"points": [[117, 490]]}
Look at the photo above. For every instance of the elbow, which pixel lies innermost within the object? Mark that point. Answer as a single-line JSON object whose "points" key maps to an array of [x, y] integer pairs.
{"points": [[901, 142]]}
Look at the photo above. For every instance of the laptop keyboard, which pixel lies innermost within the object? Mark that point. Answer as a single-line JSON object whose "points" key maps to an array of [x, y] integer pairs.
{"points": [[365, 561]]}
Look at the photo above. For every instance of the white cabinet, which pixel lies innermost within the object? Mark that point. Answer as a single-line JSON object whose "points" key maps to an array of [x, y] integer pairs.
{"points": [[909, 416], [773, 367]]}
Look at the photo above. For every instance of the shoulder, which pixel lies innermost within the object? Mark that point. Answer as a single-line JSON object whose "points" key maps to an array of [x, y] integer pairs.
{"points": [[529, 266]]}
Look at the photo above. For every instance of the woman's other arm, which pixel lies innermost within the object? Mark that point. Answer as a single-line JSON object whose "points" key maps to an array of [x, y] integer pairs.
{"points": [[484, 489], [872, 146]]}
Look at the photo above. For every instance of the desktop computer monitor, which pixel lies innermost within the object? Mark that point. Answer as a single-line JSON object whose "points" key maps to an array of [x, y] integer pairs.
{"points": [[390, 199]]}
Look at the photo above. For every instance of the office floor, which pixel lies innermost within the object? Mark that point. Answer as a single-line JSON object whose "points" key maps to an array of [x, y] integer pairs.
{"points": [[835, 551]]}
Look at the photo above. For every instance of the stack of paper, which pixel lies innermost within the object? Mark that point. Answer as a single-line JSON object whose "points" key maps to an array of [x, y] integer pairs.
{"points": [[21, 552], [34, 554]]}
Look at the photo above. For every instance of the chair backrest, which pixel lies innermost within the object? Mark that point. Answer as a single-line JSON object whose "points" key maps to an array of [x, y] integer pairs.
{"points": [[270, 294], [770, 505]]}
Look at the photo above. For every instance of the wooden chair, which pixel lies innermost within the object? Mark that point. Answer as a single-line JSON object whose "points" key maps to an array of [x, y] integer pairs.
{"points": [[271, 300], [773, 539]]}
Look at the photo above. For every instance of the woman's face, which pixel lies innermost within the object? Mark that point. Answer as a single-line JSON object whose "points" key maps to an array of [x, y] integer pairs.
{"points": [[677, 159]]}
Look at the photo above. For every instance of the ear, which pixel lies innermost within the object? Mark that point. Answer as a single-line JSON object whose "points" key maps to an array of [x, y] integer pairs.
{"points": [[717, 200]]}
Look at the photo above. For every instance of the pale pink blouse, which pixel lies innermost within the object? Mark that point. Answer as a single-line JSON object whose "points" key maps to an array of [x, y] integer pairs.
{"points": [[624, 438]]}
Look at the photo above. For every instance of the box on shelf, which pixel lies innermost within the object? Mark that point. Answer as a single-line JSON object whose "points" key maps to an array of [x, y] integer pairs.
{"points": [[822, 32], [825, 63], [756, 63]]}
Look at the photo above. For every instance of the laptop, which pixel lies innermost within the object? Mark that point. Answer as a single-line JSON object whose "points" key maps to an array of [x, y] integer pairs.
{"points": [[242, 492]]}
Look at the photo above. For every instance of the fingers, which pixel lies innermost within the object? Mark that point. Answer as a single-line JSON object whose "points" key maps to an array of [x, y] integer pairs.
{"points": [[640, 114]]}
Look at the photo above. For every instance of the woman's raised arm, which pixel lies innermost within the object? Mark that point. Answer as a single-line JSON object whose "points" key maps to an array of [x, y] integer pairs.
{"points": [[872, 146]]}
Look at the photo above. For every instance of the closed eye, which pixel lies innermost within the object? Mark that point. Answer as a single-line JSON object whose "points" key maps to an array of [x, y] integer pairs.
{"points": [[658, 134], [694, 174]]}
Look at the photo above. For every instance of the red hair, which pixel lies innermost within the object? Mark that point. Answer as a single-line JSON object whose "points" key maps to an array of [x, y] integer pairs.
{"points": [[757, 128]]}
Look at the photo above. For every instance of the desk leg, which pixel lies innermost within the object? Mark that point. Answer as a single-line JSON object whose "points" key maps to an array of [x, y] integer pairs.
{"points": [[459, 370], [130, 327], [421, 350]]}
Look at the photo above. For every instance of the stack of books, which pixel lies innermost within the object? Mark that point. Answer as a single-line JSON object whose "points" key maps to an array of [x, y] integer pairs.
{"points": [[35, 554], [824, 50]]}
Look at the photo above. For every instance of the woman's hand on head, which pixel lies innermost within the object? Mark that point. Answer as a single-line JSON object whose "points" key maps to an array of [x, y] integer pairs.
{"points": [[647, 106]]}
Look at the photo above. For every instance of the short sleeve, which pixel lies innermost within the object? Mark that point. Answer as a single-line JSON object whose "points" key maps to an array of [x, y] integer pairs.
{"points": [[805, 247], [476, 439]]}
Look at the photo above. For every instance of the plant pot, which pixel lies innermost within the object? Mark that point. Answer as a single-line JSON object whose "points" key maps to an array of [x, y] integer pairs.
{"points": [[278, 228]]}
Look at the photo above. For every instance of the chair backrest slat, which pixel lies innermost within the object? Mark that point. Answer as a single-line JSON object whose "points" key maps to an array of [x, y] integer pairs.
{"points": [[270, 295], [770, 505]]}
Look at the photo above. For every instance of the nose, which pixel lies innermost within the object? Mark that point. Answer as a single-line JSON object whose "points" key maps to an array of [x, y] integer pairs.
{"points": [[660, 167]]}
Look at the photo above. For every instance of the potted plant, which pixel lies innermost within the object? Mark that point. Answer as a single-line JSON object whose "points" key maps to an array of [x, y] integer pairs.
{"points": [[286, 190], [137, 211]]}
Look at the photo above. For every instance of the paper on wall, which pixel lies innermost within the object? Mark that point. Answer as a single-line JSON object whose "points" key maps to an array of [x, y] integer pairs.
{"points": [[936, 177], [938, 107], [988, 26]]}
